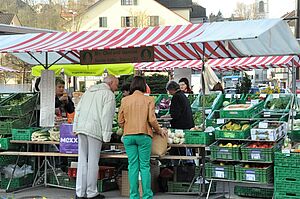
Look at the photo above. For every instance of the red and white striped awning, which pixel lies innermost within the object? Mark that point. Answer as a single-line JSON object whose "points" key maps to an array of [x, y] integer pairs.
{"points": [[180, 42], [246, 63]]}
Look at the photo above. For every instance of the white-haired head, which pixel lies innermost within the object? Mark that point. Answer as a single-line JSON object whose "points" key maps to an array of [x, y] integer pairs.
{"points": [[112, 82]]}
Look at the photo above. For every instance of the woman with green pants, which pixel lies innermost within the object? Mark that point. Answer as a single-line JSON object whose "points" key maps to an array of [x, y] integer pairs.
{"points": [[137, 118]]}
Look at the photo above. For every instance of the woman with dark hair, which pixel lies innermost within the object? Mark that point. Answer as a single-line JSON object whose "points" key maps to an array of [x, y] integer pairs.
{"points": [[137, 118], [185, 85], [125, 89]]}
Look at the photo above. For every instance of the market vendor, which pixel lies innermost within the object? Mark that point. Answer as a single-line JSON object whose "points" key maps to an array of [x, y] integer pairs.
{"points": [[185, 86], [63, 103]]}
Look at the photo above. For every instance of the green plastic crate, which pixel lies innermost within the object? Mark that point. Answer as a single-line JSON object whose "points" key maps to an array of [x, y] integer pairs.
{"points": [[234, 134], [7, 159], [210, 105], [286, 196], [19, 109], [284, 99], [219, 171], [274, 116], [64, 180], [255, 192], [198, 118], [286, 175], [288, 186], [261, 175], [184, 187], [107, 185], [199, 137], [7, 124], [287, 160], [23, 134], [258, 154], [191, 98], [17, 183], [224, 153], [249, 113], [295, 135], [6, 145], [212, 119]]}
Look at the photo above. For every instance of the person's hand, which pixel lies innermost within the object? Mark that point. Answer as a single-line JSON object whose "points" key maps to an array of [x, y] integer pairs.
{"points": [[164, 132], [64, 98]]}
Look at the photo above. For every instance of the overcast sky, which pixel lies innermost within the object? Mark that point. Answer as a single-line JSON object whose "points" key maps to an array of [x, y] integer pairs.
{"points": [[277, 8]]}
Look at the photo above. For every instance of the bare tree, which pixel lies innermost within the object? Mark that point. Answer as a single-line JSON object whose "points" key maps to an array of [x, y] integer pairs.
{"points": [[246, 11]]}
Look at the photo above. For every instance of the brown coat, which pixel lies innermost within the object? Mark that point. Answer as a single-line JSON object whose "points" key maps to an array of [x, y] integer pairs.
{"points": [[137, 115]]}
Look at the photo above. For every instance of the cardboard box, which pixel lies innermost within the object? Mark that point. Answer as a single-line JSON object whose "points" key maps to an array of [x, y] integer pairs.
{"points": [[155, 170], [262, 131]]}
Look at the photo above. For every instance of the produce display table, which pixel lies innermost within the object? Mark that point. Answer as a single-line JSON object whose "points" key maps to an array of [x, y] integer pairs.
{"points": [[200, 155]]}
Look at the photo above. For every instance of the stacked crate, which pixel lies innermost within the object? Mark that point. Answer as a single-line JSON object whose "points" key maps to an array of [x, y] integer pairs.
{"points": [[287, 176], [16, 111]]}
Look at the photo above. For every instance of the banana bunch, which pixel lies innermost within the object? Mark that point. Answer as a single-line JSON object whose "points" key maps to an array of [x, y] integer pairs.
{"points": [[232, 126]]}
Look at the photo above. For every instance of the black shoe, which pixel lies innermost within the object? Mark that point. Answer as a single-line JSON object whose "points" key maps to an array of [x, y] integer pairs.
{"points": [[76, 197], [98, 197]]}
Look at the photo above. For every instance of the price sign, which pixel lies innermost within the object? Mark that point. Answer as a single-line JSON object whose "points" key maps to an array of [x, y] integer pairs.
{"points": [[112, 147], [156, 111], [263, 95], [267, 114], [255, 155], [250, 177], [220, 174], [228, 96], [220, 121], [275, 96], [146, 94], [238, 96], [208, 111], [179, 131], [263, 125], [187, 95], [254, 102], [287, 152]]}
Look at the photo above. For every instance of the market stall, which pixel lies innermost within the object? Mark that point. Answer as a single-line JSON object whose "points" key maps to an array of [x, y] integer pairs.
{"points": [[190, 42]]}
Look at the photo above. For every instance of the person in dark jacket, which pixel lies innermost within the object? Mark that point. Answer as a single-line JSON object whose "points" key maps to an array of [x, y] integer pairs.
{"points": [[180, 109], [63, 103]]}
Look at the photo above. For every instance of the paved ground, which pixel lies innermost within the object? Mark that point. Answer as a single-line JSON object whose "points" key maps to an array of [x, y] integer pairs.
{"points": [[56, 193]]}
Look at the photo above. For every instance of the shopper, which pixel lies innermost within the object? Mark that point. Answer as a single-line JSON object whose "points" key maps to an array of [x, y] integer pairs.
{"points": [[180, 109], [185, 85], [137, 118], [63, 103], [125, 89], [93, 124]]}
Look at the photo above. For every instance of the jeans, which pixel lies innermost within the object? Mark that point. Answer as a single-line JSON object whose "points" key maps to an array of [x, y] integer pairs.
{"points": [[138, 149]]}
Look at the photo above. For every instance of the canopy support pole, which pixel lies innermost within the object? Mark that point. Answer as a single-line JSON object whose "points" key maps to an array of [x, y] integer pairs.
{"points": [[46, 65]]}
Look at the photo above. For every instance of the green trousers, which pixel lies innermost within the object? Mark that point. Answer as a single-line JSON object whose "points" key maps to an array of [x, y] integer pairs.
{"points": [[138, 149]]}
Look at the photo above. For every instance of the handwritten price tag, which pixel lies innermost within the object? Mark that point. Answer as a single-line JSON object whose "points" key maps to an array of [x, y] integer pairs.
{"points": [[220, 174], [228, 96], [275, 96], [220, 121], [208, 111], [250, 177], [262, 125], [263, 95], [255, 155]]}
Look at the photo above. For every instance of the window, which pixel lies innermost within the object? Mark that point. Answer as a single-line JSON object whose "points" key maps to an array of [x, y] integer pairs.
{"points": [[128, 21], [153, 20], [102, 21], [128, 2]]}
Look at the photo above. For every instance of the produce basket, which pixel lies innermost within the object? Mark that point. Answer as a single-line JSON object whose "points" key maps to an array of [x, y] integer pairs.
{"points": [[5, 144], [163, 104], [191, 98], [260, 173], [184, 187], [198, 118], [287, 187], [7, 124], [269, 131], [17, 183], [212, 102], [286, 196], [255, 192], [242, 110], [274, 116], [18, 105], [222, 171], [286, 175], [287, 160], [64, 180], [225, 150], [259, 151], [213, 119], [23, 134], [199, 137], [278, 102], [5, 96], [234, 130]]}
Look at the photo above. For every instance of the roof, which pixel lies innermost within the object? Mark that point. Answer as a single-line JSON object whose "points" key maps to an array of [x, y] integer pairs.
{"points": [[180, 42], [9, 30], [176, 3], [6, 18], [198, 11], [240, 64]]}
